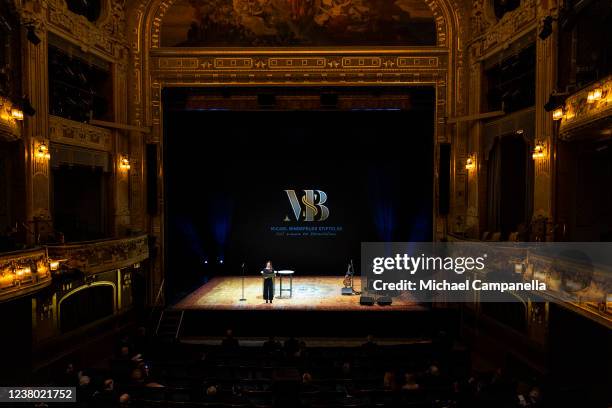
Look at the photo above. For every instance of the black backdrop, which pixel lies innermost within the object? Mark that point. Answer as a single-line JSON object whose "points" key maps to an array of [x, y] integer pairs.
{"points": [[226, 173]]}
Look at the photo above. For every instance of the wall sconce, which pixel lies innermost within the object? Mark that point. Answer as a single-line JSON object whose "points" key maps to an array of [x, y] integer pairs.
{"points": [[17, 114], [594, 95], [557, 113], [42, 152], [470, 162], [124, 163], [539, 151]]}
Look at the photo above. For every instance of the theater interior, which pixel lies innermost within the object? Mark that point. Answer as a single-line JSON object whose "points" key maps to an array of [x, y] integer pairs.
{"points": [[156, 154]]}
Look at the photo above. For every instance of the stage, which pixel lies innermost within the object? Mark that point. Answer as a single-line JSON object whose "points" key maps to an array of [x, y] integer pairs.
{"points": [[310, 293]]}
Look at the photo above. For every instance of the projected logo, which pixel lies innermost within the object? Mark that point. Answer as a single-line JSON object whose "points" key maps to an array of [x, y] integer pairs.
{"points": [[309, 207]]}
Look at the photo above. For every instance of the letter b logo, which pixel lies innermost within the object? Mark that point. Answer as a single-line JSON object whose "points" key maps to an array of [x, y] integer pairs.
{"points": [[313, 208]]}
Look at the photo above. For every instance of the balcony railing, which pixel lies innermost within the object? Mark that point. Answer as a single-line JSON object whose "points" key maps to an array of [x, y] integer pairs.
{"points": [[23, 272], [93, 257], [546, 269], [587, 106]]}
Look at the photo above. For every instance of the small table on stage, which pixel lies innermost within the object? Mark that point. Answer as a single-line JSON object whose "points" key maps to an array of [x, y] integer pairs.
{"points": [[282, 274]]}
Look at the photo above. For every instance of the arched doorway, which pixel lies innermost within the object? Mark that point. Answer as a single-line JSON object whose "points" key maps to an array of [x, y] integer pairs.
{"points": [[85, 305], [509, 186]]}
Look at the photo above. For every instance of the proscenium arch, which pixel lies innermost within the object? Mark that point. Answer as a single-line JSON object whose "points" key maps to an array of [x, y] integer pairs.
{"points": [[145, 18], [154, 68]]}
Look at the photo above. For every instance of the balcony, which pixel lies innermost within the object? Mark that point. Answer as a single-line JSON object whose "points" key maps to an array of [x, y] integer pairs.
{"points": [[91, 257], [588, 111], [23, 273], [552, 271]]}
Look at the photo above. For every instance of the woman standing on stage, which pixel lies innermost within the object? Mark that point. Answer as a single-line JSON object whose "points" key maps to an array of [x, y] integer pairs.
{"points": [[268, 274]]}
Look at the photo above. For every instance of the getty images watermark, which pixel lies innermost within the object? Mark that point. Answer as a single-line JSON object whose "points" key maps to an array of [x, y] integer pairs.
{"points": [[488, 271]]}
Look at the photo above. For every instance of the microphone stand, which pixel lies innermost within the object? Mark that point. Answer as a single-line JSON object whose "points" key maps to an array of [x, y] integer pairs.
{"points": [[243, 299]]}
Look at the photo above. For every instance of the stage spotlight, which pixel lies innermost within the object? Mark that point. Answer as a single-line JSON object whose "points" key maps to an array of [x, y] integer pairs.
{"points": [[547, 28], [31, 35]]}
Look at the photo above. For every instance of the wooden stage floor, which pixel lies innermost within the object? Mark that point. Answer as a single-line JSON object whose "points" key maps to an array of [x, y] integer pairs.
{"points": [[309, 293]]}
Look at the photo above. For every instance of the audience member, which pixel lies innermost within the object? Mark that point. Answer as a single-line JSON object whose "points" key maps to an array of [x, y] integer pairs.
{"points": [[229, 342], [410, 382], [271, 345], [370, 345]]}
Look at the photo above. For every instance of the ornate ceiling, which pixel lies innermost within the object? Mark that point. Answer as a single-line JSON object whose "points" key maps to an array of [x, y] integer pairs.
{"points": [[248, 23]]}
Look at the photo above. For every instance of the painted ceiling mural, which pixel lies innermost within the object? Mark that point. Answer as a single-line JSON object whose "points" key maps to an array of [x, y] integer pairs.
{"points": [[278, 23]]}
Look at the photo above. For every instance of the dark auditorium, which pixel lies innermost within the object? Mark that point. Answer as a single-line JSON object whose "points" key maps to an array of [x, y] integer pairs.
{"points": [[306, 203]]}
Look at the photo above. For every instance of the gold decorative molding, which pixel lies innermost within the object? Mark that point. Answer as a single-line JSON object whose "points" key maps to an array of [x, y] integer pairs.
{"points": [[301, 67], [69, 132], [437, 8], [10, 129], [543, 268], [106, 35], [489, 37], [546, 269], [154, 68], [98, 256], [23, 272], [580, 112]]}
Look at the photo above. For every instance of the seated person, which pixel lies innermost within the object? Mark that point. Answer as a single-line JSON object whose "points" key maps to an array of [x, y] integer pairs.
{"points": [[271, 345], [229, 342]]}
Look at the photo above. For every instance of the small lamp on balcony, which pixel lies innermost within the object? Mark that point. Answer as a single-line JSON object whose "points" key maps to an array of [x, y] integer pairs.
{"points": [[594, 95], [17, 114], [21, 272], [558, 113]]}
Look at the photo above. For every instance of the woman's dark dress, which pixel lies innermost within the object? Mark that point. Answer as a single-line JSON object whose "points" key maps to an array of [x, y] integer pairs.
{"points": [[268, 284]]}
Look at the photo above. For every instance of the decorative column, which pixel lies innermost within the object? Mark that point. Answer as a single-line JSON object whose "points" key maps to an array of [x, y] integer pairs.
{"points": [[36, 127], [475, 180], [124, 162], [546, 77]]}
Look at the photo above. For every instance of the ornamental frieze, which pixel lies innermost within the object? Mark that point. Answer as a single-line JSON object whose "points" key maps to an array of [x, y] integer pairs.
{"points": [[587, 106], [300, 64], [73, 133], [106, 35], [10, 127], [23, 272], [103, 255], [507, 28]]}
